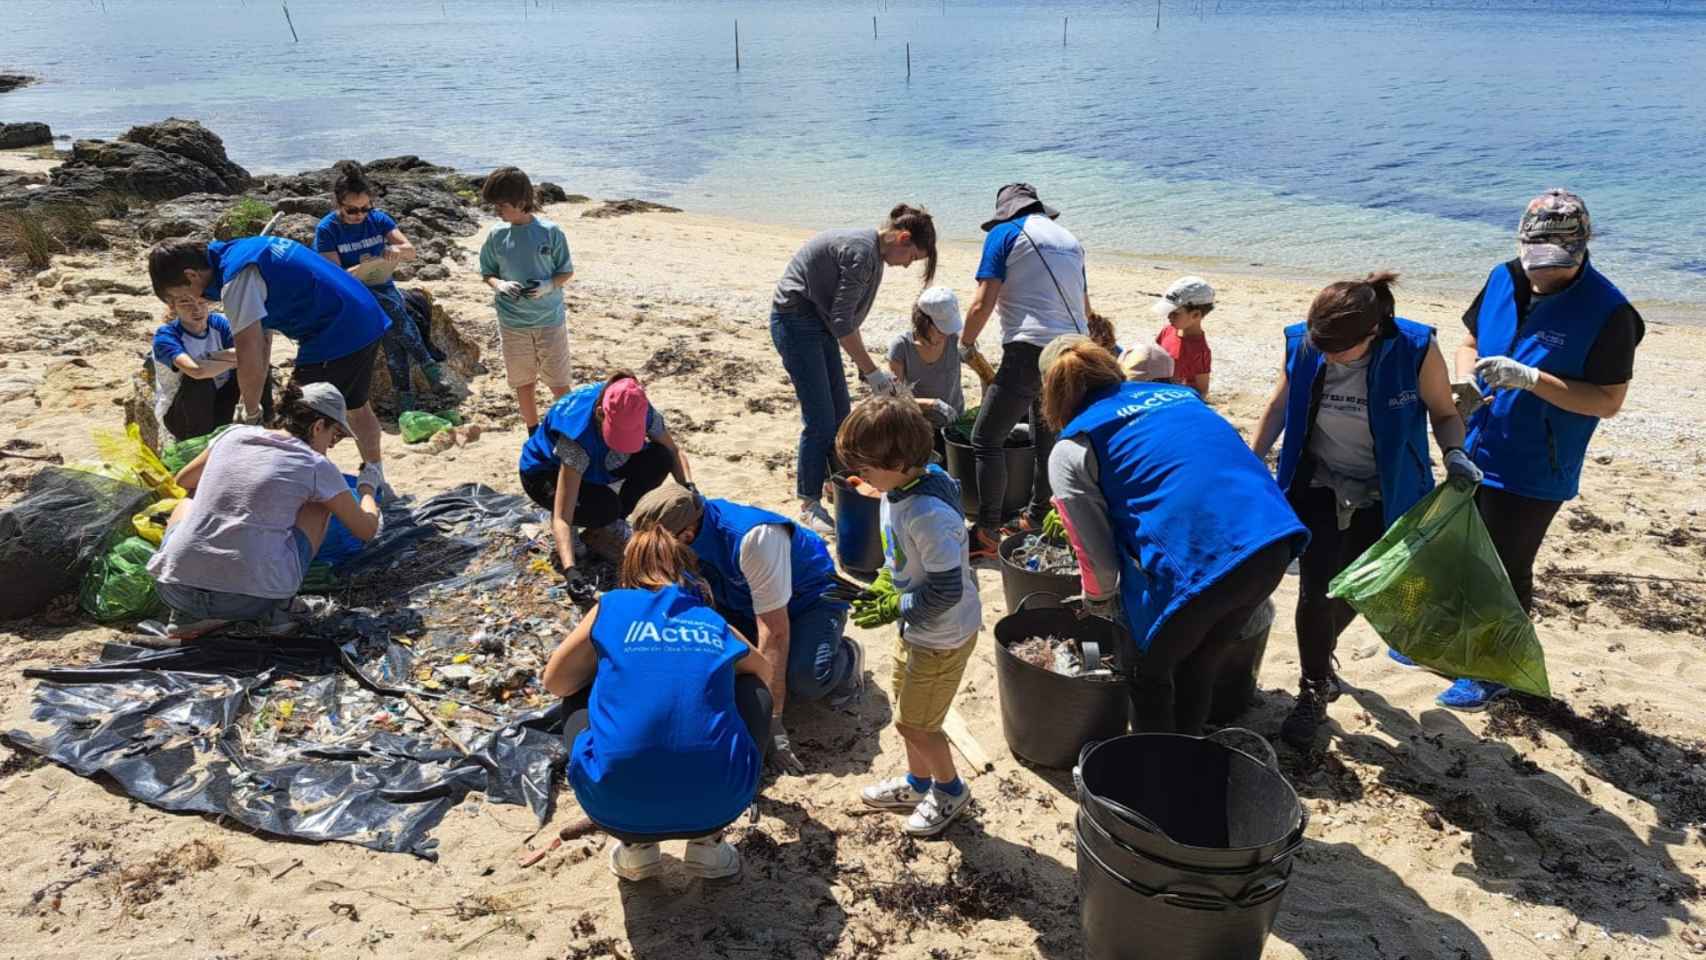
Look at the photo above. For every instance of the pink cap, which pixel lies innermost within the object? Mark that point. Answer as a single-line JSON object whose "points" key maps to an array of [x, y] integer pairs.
{"points": [[625, 410]]}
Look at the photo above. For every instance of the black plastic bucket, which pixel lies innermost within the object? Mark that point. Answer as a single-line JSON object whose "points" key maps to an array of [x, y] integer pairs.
{"points": [[858, 530], [1185, 847], [1235, 689], [1017, 583], [1047, 718], [1021, 472]]}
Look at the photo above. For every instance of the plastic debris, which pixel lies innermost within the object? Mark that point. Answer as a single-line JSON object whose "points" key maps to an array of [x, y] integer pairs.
{"points": [[1043, 556]]}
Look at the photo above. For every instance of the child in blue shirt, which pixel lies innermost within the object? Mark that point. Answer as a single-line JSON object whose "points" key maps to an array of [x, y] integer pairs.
{"points": [[526, 263], [356, 233], [194, 390], [927, 585]]}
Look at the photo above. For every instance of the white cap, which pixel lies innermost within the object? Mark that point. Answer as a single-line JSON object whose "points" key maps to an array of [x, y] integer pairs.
{"points": [[1185, 292], [325, 400], [1147, 363], [943, 309]]}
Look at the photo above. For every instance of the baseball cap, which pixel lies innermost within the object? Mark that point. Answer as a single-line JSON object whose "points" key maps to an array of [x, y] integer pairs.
{"points": [[626, 410], [326, 400], [671, 506], [1058, 346], [943, 309], [1146, 363], [1554, 231], [1185, 292]]}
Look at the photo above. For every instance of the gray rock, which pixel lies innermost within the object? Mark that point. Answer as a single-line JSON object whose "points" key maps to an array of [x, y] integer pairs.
{"points": [[298, 227], [194, 215], [317, 205], [432, 271], [16, 135], [96, 286], [194, 142], [160, 161], [621, 208], [12, 81], [547, 192]]}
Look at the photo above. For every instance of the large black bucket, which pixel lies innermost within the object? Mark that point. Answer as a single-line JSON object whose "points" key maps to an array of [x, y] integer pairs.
{"points": [[1017, 583], [1235, 689], [858, 530], [1021, 472], [1185, 847], [1046, 717]]}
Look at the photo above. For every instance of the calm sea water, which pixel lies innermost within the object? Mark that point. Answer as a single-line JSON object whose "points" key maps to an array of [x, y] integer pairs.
{"points": [[1319, 136]]}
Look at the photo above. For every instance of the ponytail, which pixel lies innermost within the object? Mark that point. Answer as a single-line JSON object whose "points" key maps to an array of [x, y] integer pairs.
{"points": [[351, 179], [917, 222], [1346, 313], [656, 558], [1080, 369]]}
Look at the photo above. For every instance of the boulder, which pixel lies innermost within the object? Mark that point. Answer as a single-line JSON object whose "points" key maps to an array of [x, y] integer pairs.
{"points": [[194, 142], [621, 208], [408, 163], [86, 287], [16, 135], [12, 81], [298, 227], [547, 192], [193, 215], [432, 271], [316, 205]]}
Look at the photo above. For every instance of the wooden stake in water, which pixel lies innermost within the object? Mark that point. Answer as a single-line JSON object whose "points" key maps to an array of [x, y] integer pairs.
{"points": [[1063, 30], [909, 63], [737, 45], [873, 27], [1157, 14], [293, 37]]}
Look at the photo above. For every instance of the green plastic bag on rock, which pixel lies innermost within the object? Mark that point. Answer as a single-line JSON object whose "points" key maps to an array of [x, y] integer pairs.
{"points": [[1435, 590], [117, 586], [417, 426]]}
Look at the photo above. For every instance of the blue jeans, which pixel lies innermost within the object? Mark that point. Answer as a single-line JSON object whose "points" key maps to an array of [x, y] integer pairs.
{"points": [[190, 604], [818, 659], [402, 343], [812, 358]]}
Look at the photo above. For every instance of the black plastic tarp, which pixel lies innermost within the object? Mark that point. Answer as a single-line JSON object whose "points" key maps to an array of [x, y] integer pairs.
{"points": [[171, 726]]}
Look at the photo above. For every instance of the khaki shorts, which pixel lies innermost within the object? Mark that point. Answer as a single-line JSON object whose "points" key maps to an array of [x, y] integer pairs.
{"points": [[925, 682], [532, 354]]}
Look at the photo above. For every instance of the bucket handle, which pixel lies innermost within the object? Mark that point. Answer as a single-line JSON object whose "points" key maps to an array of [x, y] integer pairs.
{"points": [[1260, 892], [1241, 736], [1026, 600]]}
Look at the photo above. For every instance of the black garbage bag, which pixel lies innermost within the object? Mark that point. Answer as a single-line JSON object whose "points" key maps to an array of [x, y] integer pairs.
{"points": [[49, 538]]}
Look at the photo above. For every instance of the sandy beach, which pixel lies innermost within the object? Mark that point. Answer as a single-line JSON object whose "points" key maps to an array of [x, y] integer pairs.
{"points": [[1571, 833]]}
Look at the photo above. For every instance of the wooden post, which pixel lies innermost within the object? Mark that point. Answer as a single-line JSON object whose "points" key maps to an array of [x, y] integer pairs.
{"points": [[909, 63], [873, 26], [1063, 30], [1157, 14], [293, 37], [737, 45]]}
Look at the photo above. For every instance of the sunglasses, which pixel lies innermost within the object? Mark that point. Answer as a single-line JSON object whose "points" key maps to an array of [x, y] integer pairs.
{"points": [[358, 211]]}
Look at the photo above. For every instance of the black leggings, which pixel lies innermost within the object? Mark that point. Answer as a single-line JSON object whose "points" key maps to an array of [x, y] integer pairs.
{"points": [[598, 504], [752, 702], [1517, 525], [1320, 619], [1172, 684], [1015, 392]]}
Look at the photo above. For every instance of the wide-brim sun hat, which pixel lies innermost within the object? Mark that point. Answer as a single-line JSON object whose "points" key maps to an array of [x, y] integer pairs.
{"points": [[1014, 199]]}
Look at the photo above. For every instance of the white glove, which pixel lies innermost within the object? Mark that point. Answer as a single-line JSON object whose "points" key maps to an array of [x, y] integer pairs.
{"points": [[1497, 372], [880, 381], [1107, 608], [508, 288], [247, 418], [371, 476], [1458, 466], [943, 411], [542, 291]]}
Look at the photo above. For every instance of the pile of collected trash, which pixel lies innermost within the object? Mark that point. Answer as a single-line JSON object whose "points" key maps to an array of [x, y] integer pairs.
{"points": [[413, 683], [1041, 555], [1058, 655]]}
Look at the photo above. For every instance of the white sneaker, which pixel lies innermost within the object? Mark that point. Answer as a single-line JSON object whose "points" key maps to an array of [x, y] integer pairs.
{"points": [[895, 794], [636, 861], [711, 858], [935, 812], [815, 518]]}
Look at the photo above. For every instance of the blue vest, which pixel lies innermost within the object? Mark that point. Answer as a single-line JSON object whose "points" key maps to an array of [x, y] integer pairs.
{"points": [[572, 417], [664, 751], [1396, 414], [1528, 446], [325, 310], [1187, 500], [717, 545]]}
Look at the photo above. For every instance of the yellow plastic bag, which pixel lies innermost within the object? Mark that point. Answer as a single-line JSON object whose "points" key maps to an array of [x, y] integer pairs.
{"points": [[126, 451], [150, 524]]}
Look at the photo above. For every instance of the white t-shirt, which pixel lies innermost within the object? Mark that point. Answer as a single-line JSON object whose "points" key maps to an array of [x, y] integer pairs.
{"points": [[1041, 268], [237, 537], [767, 563], [924, 535], [244, 299]]}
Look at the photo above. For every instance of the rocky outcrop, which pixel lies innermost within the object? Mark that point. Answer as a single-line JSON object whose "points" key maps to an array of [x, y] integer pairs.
{"points": [[161, 161], [193, 215], [12, 81], [14, 136], [621, 208], [426, 200], [315, 206]]}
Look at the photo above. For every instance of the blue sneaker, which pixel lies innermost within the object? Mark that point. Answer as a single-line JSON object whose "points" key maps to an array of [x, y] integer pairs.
{"points": [[1399, 658], [1471, 696]]}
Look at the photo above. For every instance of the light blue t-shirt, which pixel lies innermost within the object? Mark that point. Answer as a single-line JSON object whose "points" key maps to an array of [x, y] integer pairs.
{"points": [[532, 252], [357, 244]]}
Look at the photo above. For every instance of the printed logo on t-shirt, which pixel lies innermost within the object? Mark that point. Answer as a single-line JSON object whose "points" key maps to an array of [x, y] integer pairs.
{"points": [[646, 636], [1552, 338], [1159, 398], [544, 249], [361, 247]]}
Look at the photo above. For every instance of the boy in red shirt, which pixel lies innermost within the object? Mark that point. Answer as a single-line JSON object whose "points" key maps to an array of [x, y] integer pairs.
{"points": [[1185, 304]]}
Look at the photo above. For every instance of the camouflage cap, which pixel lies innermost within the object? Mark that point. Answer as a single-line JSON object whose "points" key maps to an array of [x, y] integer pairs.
{"points": [[1554, 231]]}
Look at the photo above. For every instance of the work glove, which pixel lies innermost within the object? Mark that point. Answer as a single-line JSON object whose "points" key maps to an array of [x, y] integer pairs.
{"points": [[942, 413], [1054, 528], [542, 291], [372, 476], [1458, 466], [782, 757], [880, 610], [1500, 372], [880, 381], [508, 288], [581, 588]]}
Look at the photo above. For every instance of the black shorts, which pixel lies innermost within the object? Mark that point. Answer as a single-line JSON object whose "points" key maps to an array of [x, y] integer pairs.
{"points": [[352, 374]]}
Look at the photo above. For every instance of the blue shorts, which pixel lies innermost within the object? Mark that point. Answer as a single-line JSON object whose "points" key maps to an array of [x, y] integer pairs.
{"points": [[194, 603]]}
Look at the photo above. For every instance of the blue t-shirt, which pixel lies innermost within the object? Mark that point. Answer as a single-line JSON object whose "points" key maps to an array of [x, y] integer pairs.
{"points": [[531, 252], [665, 750], [997, 245], [172, 340], [356, 244]]}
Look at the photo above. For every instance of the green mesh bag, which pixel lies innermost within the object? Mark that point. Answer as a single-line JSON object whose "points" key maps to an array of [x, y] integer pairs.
{"points": [[117, 586], [1435, 590], [416, 425]]}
